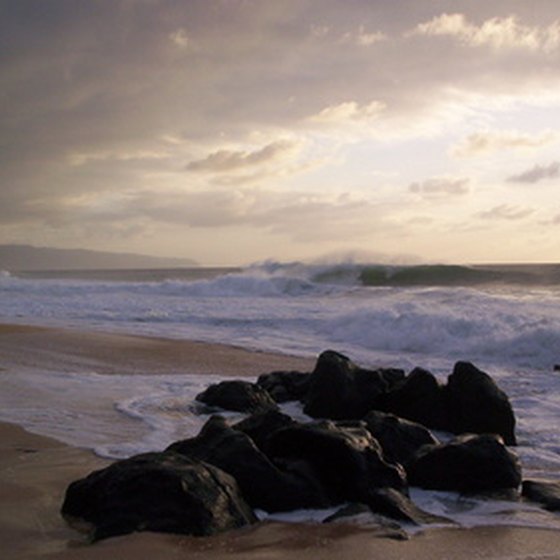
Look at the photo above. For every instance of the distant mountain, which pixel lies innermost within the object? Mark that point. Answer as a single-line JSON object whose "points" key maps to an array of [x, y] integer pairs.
{"points": [[27, 257]]}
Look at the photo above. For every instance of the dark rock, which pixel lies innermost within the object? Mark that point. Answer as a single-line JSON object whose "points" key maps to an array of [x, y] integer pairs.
{"points": [[339, 389], [477, 405], [556, 367], [543, 492], [284, 386], [346, 459], [240, 396], [395, 505], [399, 438], [419, 398], [347, 511], [261, 425], [469, 463], [161, 492], [383, 527], [262, 484]]}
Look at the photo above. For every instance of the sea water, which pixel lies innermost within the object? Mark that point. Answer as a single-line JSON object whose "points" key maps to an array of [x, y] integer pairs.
{"points": [[506, 320]]}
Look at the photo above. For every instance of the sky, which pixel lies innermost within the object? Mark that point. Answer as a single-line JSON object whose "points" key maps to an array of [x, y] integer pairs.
{"points": [[235, 131]]}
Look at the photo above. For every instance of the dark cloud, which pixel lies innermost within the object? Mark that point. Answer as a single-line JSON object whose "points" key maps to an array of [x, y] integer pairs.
{"points": [[537, 173]]}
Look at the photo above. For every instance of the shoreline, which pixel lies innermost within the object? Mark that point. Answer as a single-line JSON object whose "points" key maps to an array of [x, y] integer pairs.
{"points": [[71, 350], [35, 470]]}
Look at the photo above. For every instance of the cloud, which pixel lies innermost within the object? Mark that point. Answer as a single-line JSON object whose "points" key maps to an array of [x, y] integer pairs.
{"points": [[505, 212], [498, 32], [363, 38], [305, 217], [484, 143], [180, 38], [441, 186], [347, 112], [82, 158], [225, 161], [537, 173]]}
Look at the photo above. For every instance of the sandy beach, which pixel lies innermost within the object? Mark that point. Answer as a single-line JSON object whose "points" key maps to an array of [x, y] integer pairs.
{"points": [[35, 471]]}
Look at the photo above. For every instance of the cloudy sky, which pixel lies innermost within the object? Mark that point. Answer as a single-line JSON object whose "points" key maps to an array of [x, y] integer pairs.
{"points": [[232, 131]]}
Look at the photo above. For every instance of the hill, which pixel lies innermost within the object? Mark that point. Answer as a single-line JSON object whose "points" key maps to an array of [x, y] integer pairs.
{"points": [[27, 257]]}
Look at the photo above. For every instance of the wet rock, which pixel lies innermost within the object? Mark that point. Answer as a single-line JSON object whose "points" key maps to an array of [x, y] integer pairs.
{"points": [[340, 390], [239, 396], [468, 463], [262, 484], [261, 425], [395, 505], [399, 438], [346, 459], [348, 511], [420, 398], [546, 493], [477, 405], [161, 492], [380, 524], [284, 386]]}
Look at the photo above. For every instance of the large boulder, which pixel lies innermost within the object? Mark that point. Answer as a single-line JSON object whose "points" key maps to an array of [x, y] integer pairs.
{"points": [[161, 492], [477, 405], [399, 438], [345, 458], [239, 396], [420, 398], [284, 386], [262, 484], [340, 390], [468, 463], [544, 492]]}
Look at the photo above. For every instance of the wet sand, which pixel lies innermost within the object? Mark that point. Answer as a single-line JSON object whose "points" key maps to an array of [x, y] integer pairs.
{"points": [[35, 471]]}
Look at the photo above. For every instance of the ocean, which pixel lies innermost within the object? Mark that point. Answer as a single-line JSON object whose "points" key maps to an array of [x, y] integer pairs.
{"points": [[504, 319]]}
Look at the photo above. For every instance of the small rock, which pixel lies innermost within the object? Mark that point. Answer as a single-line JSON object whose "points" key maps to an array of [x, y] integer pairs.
{"points": [[284, 386], [239, 396], [395, 505], [544, 492]]}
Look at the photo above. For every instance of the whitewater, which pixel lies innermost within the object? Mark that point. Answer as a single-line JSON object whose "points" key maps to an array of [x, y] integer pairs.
{"points": [[506, 320]]}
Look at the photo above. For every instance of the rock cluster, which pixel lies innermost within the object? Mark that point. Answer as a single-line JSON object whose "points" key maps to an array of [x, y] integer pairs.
{"points": [[370, 438]]}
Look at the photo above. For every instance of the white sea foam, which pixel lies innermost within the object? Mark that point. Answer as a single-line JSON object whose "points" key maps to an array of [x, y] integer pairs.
{"points": [[293, 314]]}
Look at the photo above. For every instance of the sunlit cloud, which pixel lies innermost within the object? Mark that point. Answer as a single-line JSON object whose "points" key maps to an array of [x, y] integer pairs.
{"points": [[485, 143], [223, 161], [363, 38], [506, 212], [441, 187], [498, 33], [537, 173], [348, 112], [180, 38], [82, 158]]}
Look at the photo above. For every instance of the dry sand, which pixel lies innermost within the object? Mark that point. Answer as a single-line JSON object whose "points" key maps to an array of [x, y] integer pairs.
{"points": [[35, 471]]}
